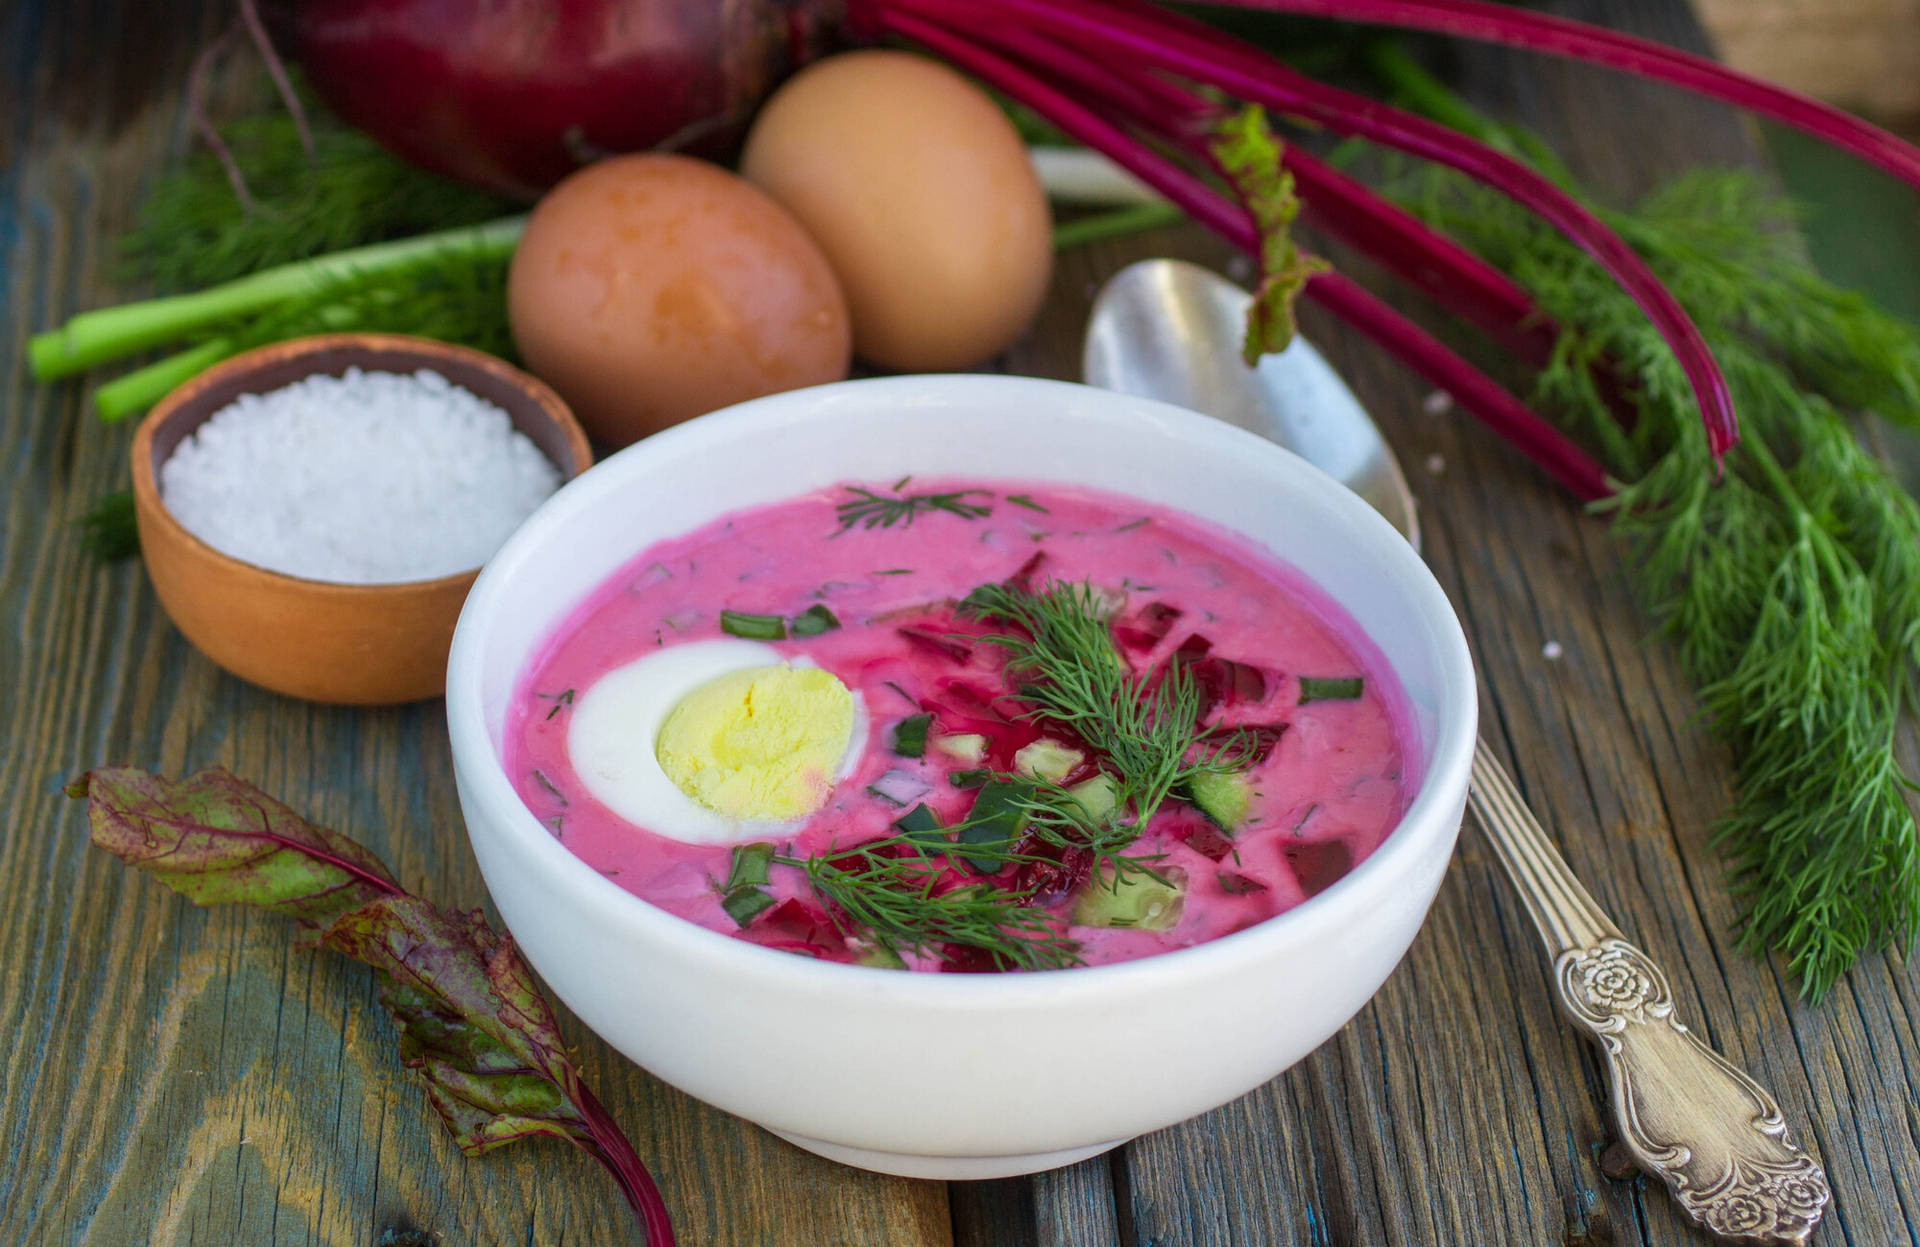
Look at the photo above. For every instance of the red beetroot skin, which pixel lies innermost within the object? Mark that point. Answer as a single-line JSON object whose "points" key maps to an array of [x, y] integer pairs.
{"points": [[513, 95]]}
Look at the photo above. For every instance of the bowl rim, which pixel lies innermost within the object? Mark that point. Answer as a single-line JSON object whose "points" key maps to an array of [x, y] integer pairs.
{"points": [[146, 488], [483, 777]]}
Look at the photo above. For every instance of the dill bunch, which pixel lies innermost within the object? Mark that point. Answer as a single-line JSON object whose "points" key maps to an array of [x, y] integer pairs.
{"points": [[193, 230], [1790, 587]]}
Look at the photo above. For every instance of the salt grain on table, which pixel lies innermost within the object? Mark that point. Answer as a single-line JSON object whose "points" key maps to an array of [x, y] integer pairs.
{"points": [[367, 478]]}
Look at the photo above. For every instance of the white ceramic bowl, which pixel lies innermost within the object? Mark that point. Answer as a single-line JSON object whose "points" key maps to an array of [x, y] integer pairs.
{"points": [[965, 1075]]}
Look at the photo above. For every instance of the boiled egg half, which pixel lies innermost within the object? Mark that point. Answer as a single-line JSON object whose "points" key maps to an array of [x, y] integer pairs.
{"points": [[715, 742]]}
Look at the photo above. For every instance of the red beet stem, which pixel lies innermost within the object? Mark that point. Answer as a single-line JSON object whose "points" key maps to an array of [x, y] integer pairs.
{"points": [[1561, 36], [611, 1148], [1478, 393], [1166, 41], [1334, 203]]}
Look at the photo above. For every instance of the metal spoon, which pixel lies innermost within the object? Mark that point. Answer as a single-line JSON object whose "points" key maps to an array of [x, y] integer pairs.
{"points": [[1170, 330]]}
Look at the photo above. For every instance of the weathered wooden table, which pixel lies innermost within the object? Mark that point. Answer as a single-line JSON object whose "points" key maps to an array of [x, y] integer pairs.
{"points": [[180, 1076]]}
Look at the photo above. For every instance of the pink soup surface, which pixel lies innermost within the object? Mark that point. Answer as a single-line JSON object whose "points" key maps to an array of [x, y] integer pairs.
{"points": [[1331, 782]]}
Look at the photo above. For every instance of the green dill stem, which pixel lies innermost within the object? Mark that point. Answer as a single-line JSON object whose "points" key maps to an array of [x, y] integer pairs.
{"points": [[99, 336], [140, 389], [1115, 224]]}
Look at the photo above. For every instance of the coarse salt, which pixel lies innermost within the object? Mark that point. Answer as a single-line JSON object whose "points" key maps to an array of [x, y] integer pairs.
{"points": [[367, 478]]}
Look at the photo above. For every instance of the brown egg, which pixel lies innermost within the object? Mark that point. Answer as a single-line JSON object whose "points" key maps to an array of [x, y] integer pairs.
{"points": [[920, 192], [651, 288]]}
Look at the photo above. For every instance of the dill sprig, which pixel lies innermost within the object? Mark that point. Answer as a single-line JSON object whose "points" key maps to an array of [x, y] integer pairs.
{"points": [[1790, 586], [894, 894], [193, 231], [870, 509], [1067, 670]]}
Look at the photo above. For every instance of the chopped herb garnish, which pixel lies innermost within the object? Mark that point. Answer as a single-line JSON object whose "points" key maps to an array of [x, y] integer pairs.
{"points": [[753, 627], [561, 699], [910, 698], [1344, 688], [745, 904], [1130, 525], [813, 621], [743, 895], [553, 789], [922, 824], [1022, 500], [749, 865], [970, 779], [868, 509], [910, 736], [894, 571]]}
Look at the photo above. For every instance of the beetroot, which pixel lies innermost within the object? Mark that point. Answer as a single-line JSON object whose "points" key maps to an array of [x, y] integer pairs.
{"points": [[794, 926], [513, 95]]}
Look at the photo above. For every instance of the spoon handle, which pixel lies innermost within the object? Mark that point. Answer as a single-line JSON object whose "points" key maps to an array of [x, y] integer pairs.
{"points": [[1710, 1132]]}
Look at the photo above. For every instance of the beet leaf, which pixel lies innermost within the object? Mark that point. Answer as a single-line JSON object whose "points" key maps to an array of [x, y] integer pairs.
{"points": [[472, 1020]]}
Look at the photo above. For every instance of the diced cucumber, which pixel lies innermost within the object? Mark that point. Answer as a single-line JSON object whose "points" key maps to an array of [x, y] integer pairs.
{"points": [[1224, 797], [1047, 759], [881, 958], [1097, 796], [967, 747], [1150, 901]]}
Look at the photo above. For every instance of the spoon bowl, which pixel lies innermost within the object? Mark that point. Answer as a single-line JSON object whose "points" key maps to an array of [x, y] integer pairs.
{"points": [[1171, 330]]}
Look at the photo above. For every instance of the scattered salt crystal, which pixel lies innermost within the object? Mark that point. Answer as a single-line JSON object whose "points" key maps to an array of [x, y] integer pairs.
{"points": [[1436, 463], [1438, 403], [367, 478], [1551, 651]]}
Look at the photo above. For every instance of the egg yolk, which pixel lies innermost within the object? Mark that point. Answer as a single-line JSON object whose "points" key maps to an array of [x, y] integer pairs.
{"points": [[762, 743]]}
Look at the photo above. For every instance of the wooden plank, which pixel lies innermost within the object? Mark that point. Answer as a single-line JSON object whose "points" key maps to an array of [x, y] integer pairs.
{"points": [[182, 1076]]}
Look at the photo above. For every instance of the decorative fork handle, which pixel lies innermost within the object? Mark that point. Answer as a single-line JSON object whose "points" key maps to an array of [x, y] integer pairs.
{"points": [[1711, 1133]]}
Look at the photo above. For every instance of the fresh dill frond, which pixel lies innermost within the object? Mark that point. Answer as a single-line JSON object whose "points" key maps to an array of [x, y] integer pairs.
{"points": [[107, 530], [894, 893], [1790, 586], [1066, 668], [193, 231], [868, 509]]}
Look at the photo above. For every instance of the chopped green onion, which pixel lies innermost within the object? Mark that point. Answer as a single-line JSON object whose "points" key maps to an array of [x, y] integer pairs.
{"points": [[1021, 500], [894, 571], [813, 621], [749, 868], [970, 779], [753, 627], [910, 735], [743, 905], [998, 816], [1345, 688], [922, 825]]}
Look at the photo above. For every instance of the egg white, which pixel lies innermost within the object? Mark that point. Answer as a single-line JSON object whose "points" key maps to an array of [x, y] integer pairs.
{"points": [[616, 722]]}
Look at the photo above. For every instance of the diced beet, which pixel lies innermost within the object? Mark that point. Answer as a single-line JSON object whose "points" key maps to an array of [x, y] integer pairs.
{"points": [[796, 927], [1023, 578], [1208, 841], [1317, 864], [1233, 883], [1142, 629], [1194, 648], [1264, 737], [957, 647], [1057, 873]]}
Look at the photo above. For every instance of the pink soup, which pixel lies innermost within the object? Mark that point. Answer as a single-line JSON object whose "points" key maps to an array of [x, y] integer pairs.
{"points": [[1294, 713]]}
